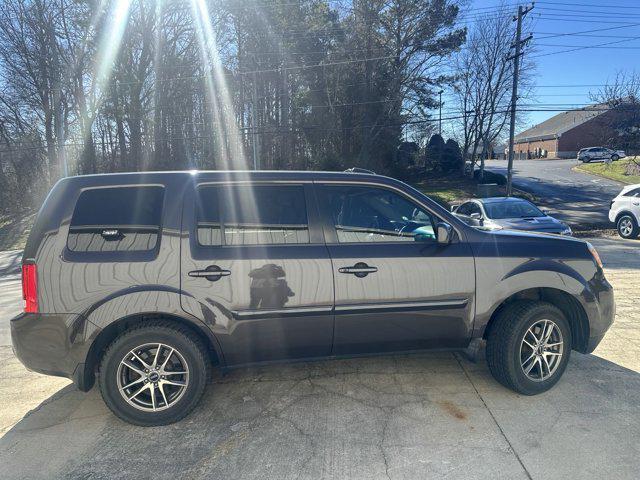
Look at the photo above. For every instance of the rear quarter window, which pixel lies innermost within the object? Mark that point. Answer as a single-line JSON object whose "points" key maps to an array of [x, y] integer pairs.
{"points": [[117, 219]]}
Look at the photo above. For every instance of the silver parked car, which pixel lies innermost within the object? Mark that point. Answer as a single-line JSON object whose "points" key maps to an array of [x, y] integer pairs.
{"points": [[586, 155], [497, 213]]}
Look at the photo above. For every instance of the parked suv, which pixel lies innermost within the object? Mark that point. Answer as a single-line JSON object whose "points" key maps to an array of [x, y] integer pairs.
{"points": [[624, 211], [146, 281], [586, 155]]}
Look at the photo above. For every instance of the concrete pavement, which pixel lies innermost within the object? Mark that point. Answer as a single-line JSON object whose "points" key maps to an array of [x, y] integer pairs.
{"points": [[575, 197], [432, 415]]}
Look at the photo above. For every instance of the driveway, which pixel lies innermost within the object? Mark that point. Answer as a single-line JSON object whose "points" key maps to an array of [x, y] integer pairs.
{"points": [[575, 197], [433, 415]]}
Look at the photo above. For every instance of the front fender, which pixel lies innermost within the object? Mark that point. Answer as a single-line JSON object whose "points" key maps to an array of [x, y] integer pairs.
{"points": [[531, 274]]}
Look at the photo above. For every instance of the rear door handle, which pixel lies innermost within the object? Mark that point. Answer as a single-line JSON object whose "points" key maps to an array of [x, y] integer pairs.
{"points": [[211, 273], [360, 270]]}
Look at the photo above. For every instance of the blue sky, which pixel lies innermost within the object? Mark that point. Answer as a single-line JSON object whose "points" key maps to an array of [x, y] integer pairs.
{"points": [[589, 66]]}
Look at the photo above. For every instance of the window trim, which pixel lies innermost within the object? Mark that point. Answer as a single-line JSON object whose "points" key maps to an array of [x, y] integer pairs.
{"points": [[309, 206], [330, 232]]}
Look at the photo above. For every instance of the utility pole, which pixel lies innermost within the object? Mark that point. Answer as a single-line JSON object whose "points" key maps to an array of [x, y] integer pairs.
{"points": [[440, 117], [522, 11]]}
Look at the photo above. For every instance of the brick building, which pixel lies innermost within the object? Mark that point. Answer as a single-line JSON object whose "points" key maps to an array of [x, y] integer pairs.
{"points": [[564, 134]]}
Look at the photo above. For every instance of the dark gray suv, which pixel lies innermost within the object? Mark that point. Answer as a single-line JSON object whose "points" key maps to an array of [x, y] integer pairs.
{"points": [[147, 280]]}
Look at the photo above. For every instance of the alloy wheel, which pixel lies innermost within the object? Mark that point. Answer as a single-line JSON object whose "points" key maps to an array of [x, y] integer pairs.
{"points": [[626, 226], [541, 350], [152, 377]]}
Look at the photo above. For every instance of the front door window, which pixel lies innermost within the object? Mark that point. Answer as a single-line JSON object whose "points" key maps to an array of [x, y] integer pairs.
{"points": [[363, 214]]}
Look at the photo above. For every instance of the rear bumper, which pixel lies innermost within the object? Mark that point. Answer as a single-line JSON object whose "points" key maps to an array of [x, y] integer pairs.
{"points": [[52, 344]]}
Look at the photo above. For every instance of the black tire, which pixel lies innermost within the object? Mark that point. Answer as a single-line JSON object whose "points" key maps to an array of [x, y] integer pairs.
{"points": [[505, 339], [585, 160], [191, 351], [614, 157], [622, 226]]}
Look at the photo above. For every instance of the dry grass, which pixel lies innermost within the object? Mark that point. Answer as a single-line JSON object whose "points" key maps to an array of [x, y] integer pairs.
{"points": [[614, 171]]}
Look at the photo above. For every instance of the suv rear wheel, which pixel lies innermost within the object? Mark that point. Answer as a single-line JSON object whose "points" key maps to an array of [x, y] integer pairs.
{"points": [[627, 226], [528, 347], [153, 374], [614, 157]]}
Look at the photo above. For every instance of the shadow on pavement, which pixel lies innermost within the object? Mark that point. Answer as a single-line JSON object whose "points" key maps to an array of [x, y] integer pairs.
{"points": [[410, 416]]}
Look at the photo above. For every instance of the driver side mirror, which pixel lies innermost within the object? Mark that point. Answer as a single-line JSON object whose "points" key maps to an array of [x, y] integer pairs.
{"points": [[444, 233]]}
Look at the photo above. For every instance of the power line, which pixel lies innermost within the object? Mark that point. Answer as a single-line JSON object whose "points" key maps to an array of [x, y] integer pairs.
{"points": [[303, 129], [572, 19], [581, 48], [591, 5], [552, 35], [569, 34], [590, 46], [590, 14]]}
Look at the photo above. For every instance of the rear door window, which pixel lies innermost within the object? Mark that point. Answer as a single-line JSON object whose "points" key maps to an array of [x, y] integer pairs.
{"points": [[116, 219], [251, 215]]}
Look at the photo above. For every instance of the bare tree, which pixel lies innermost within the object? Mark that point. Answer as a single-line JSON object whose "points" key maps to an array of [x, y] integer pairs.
{"points": [[483, 88], [622, 96]]}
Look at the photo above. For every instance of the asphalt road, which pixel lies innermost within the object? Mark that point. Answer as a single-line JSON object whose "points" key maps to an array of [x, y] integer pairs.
{"points": [[575, 197], [433, 415]]}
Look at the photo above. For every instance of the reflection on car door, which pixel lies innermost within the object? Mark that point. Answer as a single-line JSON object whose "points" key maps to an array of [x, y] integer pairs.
{"points": [[396, 288], [256, 270]]}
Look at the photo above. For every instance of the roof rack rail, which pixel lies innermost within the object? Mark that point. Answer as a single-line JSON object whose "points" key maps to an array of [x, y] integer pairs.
{"points": [[360, 170]]}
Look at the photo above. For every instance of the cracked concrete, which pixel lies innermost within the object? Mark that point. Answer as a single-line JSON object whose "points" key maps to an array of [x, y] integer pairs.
{"points": [[432, 415]]}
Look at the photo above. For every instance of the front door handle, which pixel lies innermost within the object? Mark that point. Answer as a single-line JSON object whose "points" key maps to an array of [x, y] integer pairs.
{"points": [[360, 270], [211, 273]]}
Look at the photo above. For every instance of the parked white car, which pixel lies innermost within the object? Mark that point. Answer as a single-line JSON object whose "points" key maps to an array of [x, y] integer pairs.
{"points": [[624, 211], [586, 155]]}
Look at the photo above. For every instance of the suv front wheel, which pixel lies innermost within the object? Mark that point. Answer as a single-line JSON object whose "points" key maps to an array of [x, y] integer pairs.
{"points": [[528, 346], [154, 374]]}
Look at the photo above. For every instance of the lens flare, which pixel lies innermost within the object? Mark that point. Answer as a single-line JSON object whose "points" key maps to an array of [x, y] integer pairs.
{"points": [[228, 136]]}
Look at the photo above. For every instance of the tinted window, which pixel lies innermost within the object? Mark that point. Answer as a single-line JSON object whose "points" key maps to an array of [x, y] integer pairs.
{"points": [[252, 215], [512, 209], [474, 208], [123, 206], [116, 219], [633, 193], [464, 209], [371, 214]]}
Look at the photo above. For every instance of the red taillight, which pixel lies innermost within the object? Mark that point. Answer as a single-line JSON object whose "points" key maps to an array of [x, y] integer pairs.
{"points": [[30, 288]]}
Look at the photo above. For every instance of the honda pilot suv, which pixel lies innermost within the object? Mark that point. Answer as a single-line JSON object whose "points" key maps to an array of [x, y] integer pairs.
{"points": [[146, 281]]}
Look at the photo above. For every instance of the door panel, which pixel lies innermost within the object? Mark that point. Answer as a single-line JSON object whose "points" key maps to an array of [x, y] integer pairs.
{"points": [[270, 292], [419, 296]]}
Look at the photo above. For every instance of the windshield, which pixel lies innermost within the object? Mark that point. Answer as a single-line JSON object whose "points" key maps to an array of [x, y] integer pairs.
{"points": [[512, 209]]}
